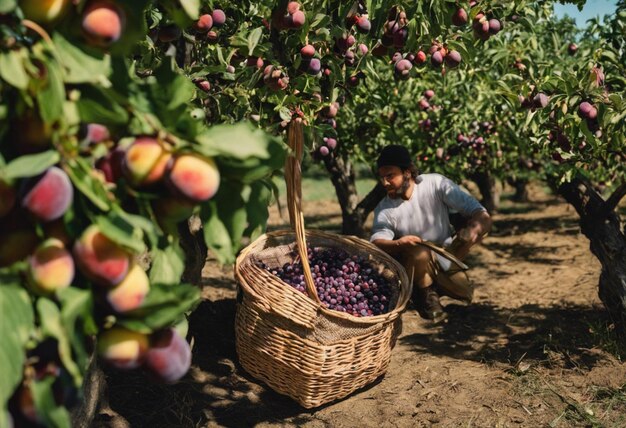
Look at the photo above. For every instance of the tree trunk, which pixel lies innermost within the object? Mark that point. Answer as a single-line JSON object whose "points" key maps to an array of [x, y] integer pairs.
{"points": [[353, 212], [601, 225], [195, 248], [489, 191], [521, 189]]}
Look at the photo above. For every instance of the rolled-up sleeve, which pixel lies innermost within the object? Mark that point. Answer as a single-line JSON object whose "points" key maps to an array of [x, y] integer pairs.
{"points": [[382, 227], [455, 198]]}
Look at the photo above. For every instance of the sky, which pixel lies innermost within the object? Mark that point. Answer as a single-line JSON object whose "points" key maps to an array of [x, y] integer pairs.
{"points": [[592, 9]]}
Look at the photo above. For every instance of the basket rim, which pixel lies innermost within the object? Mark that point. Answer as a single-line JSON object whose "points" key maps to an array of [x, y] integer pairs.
{"points": [[389, 316]]}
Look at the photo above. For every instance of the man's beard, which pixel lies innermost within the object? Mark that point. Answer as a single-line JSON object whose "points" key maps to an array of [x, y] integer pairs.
{"points": [[406, 183]]}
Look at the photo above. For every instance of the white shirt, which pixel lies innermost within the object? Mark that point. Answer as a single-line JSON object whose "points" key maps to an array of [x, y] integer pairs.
{"points": [[425, 213]]}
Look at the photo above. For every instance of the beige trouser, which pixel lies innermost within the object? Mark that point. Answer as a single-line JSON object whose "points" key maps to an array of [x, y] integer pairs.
{"points": [[422, 265]]}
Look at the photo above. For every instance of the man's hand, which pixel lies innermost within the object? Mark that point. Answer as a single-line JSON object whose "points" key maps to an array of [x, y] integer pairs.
{"points": [[408, 241], [477, 227], [395, 247]]}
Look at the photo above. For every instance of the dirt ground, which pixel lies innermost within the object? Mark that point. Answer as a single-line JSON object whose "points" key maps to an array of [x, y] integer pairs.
{"points": [[531, 351]]}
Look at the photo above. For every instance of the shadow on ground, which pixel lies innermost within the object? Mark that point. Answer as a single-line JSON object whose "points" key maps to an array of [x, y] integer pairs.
{"points": [[489, 334], [218, 390]]}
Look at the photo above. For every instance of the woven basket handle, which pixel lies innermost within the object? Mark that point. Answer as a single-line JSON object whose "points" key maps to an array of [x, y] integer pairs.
{"points": [[293, 179]]}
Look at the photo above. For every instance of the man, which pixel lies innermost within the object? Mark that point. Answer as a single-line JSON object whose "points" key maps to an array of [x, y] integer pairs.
{"points": [[416, 209]]}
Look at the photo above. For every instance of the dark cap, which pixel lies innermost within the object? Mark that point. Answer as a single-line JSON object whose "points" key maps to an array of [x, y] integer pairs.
{"points": [[394, 155]]}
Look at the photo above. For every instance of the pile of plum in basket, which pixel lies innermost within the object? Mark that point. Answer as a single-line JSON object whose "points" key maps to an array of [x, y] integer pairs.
{"points": [[343, 283]]}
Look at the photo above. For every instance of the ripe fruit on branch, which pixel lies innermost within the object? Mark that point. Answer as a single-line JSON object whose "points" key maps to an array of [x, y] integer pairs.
{"points": [[330, 142], [44, 12], [203, 84], [100, 259], [169, 356], [586, 110], [429, 94], [363, 24], [193, 176], [204, 23], [436, 59], [453, 59], [129, 294], [103, 23], [314, 66], [50, 267], [494, 26], [307, 51], [572, 48], [122, 348], [420, 58], [49, 195], [459, 18], [402, 68], [540, 100], [219, 17], [145, 161]]}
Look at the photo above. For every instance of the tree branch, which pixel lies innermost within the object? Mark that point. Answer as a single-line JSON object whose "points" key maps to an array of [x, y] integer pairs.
{"points": [[614, 199], [369, 202]]}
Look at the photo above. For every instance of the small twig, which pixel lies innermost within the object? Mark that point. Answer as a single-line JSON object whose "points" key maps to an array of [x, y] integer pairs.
{"points": [[37, 29]]}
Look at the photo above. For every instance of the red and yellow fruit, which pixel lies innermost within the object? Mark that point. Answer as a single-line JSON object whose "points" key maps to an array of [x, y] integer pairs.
{"points": [[101, 259], [122, 348], [194, 177], [145, 161], [129, 294], [49, 195], [50, 267], [44, 12], [103, 23]]}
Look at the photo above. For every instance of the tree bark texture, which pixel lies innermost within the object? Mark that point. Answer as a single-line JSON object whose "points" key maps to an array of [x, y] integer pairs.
{"points": [[353, 213], [489, 192], [607, 243]]}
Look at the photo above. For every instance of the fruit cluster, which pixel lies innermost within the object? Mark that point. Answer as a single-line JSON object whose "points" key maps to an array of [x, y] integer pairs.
{"points": [[343, 283]]}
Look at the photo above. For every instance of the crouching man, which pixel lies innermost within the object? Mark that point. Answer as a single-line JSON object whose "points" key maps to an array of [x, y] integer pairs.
{"points": [[417, 208]]}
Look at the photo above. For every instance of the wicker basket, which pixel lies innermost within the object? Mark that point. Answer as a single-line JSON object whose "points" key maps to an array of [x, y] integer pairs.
{"points": [[290, 340]]}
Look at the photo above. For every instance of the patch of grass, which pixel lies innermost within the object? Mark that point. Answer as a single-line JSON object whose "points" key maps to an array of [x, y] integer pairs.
{"points": [[604, 334], [320, 188]]}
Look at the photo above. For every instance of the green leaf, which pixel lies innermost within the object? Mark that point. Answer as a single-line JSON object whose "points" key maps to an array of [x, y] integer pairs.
{"points": [[43, 397], [76, 317], [7, 6], [16, 324], [82, 177], [216, 234], [191, 8], [162, 307], [97, 106], [172, 90], [81, 66], [253, 39], [119, 230], [256, 207], [52, 98], [240, 141], [168, 265], [12, 68], [232, 211], [52, 326], [31, 165]]}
